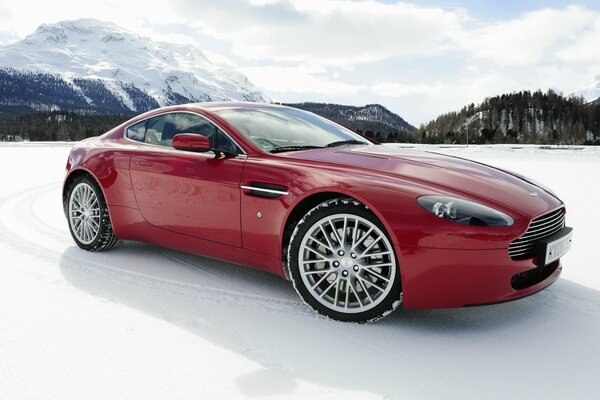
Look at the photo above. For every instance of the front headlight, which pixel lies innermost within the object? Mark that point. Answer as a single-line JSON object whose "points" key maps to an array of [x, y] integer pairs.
{"points": [[464, 211]]}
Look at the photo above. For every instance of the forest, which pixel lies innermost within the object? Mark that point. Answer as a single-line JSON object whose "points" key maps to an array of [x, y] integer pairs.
{"points": [[56, 125], [523, 117]]}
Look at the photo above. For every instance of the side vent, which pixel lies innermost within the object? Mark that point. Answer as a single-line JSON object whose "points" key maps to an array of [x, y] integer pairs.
{"points": [[267, 190]]}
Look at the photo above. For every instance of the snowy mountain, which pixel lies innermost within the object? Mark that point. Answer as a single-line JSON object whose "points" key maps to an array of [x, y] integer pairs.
{"points": [[592, 93], [372, 117], [98, 66]]}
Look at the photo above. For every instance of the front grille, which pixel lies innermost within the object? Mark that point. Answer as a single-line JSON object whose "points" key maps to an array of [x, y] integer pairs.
{"points": [[540, 227]]}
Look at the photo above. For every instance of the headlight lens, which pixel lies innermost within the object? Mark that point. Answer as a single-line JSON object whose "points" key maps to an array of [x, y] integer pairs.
{"points": [[464, 211]]}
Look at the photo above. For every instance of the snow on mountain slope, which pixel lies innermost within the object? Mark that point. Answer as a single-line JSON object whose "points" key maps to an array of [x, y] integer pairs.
{"points": [[87, 52], [592, 93], [374, 117]]}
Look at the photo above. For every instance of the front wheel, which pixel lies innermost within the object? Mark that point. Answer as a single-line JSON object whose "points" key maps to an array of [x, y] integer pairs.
{"points": [[88, 217], [343, 264]]}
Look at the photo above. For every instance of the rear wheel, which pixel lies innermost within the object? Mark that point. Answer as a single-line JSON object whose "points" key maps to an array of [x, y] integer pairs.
{"points": [[88, 217], [343, 263]]}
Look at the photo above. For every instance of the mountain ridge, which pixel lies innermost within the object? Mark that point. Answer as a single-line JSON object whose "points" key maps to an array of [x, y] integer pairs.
{"points": [[372, 119], [95, 66], [591, 94]]}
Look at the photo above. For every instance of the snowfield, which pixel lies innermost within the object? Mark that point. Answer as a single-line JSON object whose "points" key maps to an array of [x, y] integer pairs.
{"points": [[143, 322]]}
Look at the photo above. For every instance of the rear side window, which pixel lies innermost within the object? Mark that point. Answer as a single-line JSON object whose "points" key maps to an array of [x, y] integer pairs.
{"points": [[137, 132], [163, 128]]}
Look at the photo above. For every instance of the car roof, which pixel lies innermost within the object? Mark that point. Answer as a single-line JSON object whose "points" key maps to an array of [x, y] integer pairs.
{"points": [[228, 105]]}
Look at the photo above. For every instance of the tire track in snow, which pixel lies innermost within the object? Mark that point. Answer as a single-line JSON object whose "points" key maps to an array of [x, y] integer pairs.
{"points": [[26, 213], [21, 205]]}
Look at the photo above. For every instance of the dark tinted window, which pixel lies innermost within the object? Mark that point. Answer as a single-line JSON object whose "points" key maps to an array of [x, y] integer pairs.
{"points": [[137, 131], [161, 130]]}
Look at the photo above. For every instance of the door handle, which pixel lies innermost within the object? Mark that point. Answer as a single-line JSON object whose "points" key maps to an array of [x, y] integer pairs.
{"points": [[145, 163]]}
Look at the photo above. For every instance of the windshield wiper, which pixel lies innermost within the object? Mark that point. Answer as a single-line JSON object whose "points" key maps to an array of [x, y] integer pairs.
{"points": [[343, 142], [281, 149]]}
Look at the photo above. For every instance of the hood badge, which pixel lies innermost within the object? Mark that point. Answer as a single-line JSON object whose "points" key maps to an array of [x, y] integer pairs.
{"points": [[534, 194]]}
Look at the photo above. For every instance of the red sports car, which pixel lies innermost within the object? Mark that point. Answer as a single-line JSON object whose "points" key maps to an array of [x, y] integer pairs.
{"points": [[358, 227]]}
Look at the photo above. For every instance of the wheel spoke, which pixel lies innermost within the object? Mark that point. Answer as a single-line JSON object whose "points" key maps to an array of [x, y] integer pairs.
{"points": [[369, 270], [323, 256], [365, 290], [335, 232], [347, 295], [351, 286], [320, 280], [321, 243], [77, 202], [337, 291], [363, 237], [77, 223], [84, 196], [371, 283], [382, 253], [88, 229], [344, 231], [96, 224], [320, 271], [326, 236], [354, 232], [370, 246], [385, 264], [85, 230], [312, 261], [328, 288]]}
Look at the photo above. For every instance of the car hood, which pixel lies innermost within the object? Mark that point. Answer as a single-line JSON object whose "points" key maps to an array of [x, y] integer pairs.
{"points": [[441, 174]]}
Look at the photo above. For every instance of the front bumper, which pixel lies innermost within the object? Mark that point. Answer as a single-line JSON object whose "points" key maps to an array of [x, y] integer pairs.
{"points": [[448, 278]]}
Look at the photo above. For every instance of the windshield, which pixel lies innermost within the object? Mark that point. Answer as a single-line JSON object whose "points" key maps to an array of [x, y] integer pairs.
{"points": [[273, 127]]}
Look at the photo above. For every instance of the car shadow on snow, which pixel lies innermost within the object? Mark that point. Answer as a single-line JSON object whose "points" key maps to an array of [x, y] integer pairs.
{"points": [[545, 346]]}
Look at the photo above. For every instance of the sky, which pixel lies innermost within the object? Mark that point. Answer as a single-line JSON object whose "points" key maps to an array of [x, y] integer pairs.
{"points": [[418, 59]]}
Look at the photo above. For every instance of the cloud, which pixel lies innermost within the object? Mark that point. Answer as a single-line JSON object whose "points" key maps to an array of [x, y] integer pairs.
{"points": [[545, 48], [300, 79], [328, 32], [584, 47], [529, 39], [394, 89]]}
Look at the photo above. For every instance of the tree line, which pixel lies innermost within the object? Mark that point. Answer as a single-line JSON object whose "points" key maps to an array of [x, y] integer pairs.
{"points": [[56, 125], [523, 117]]}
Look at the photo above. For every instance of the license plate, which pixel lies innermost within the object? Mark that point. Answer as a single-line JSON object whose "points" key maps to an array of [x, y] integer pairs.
{"points": [[557, 248]]}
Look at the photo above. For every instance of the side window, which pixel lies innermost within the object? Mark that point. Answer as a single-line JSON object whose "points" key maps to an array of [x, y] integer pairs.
{"points": [[136, 132], [161, 130]]}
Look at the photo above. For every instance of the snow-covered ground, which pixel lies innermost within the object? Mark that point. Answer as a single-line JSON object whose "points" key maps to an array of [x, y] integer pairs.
{"points": [[142, 322]]}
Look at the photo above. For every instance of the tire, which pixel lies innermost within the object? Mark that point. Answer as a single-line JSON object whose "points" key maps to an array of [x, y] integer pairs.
{"points": [[348, 277], [87, 215]]}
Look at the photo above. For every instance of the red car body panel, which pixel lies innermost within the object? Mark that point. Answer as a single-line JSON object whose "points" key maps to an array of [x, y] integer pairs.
{"points": [[195, 202], [194, 194]]}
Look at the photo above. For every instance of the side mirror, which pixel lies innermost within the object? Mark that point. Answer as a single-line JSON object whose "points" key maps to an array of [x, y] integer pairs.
{"points": [[191, 142]]}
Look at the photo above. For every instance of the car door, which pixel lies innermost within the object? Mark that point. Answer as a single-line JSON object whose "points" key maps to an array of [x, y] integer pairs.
{"points": [[196, 194]]}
